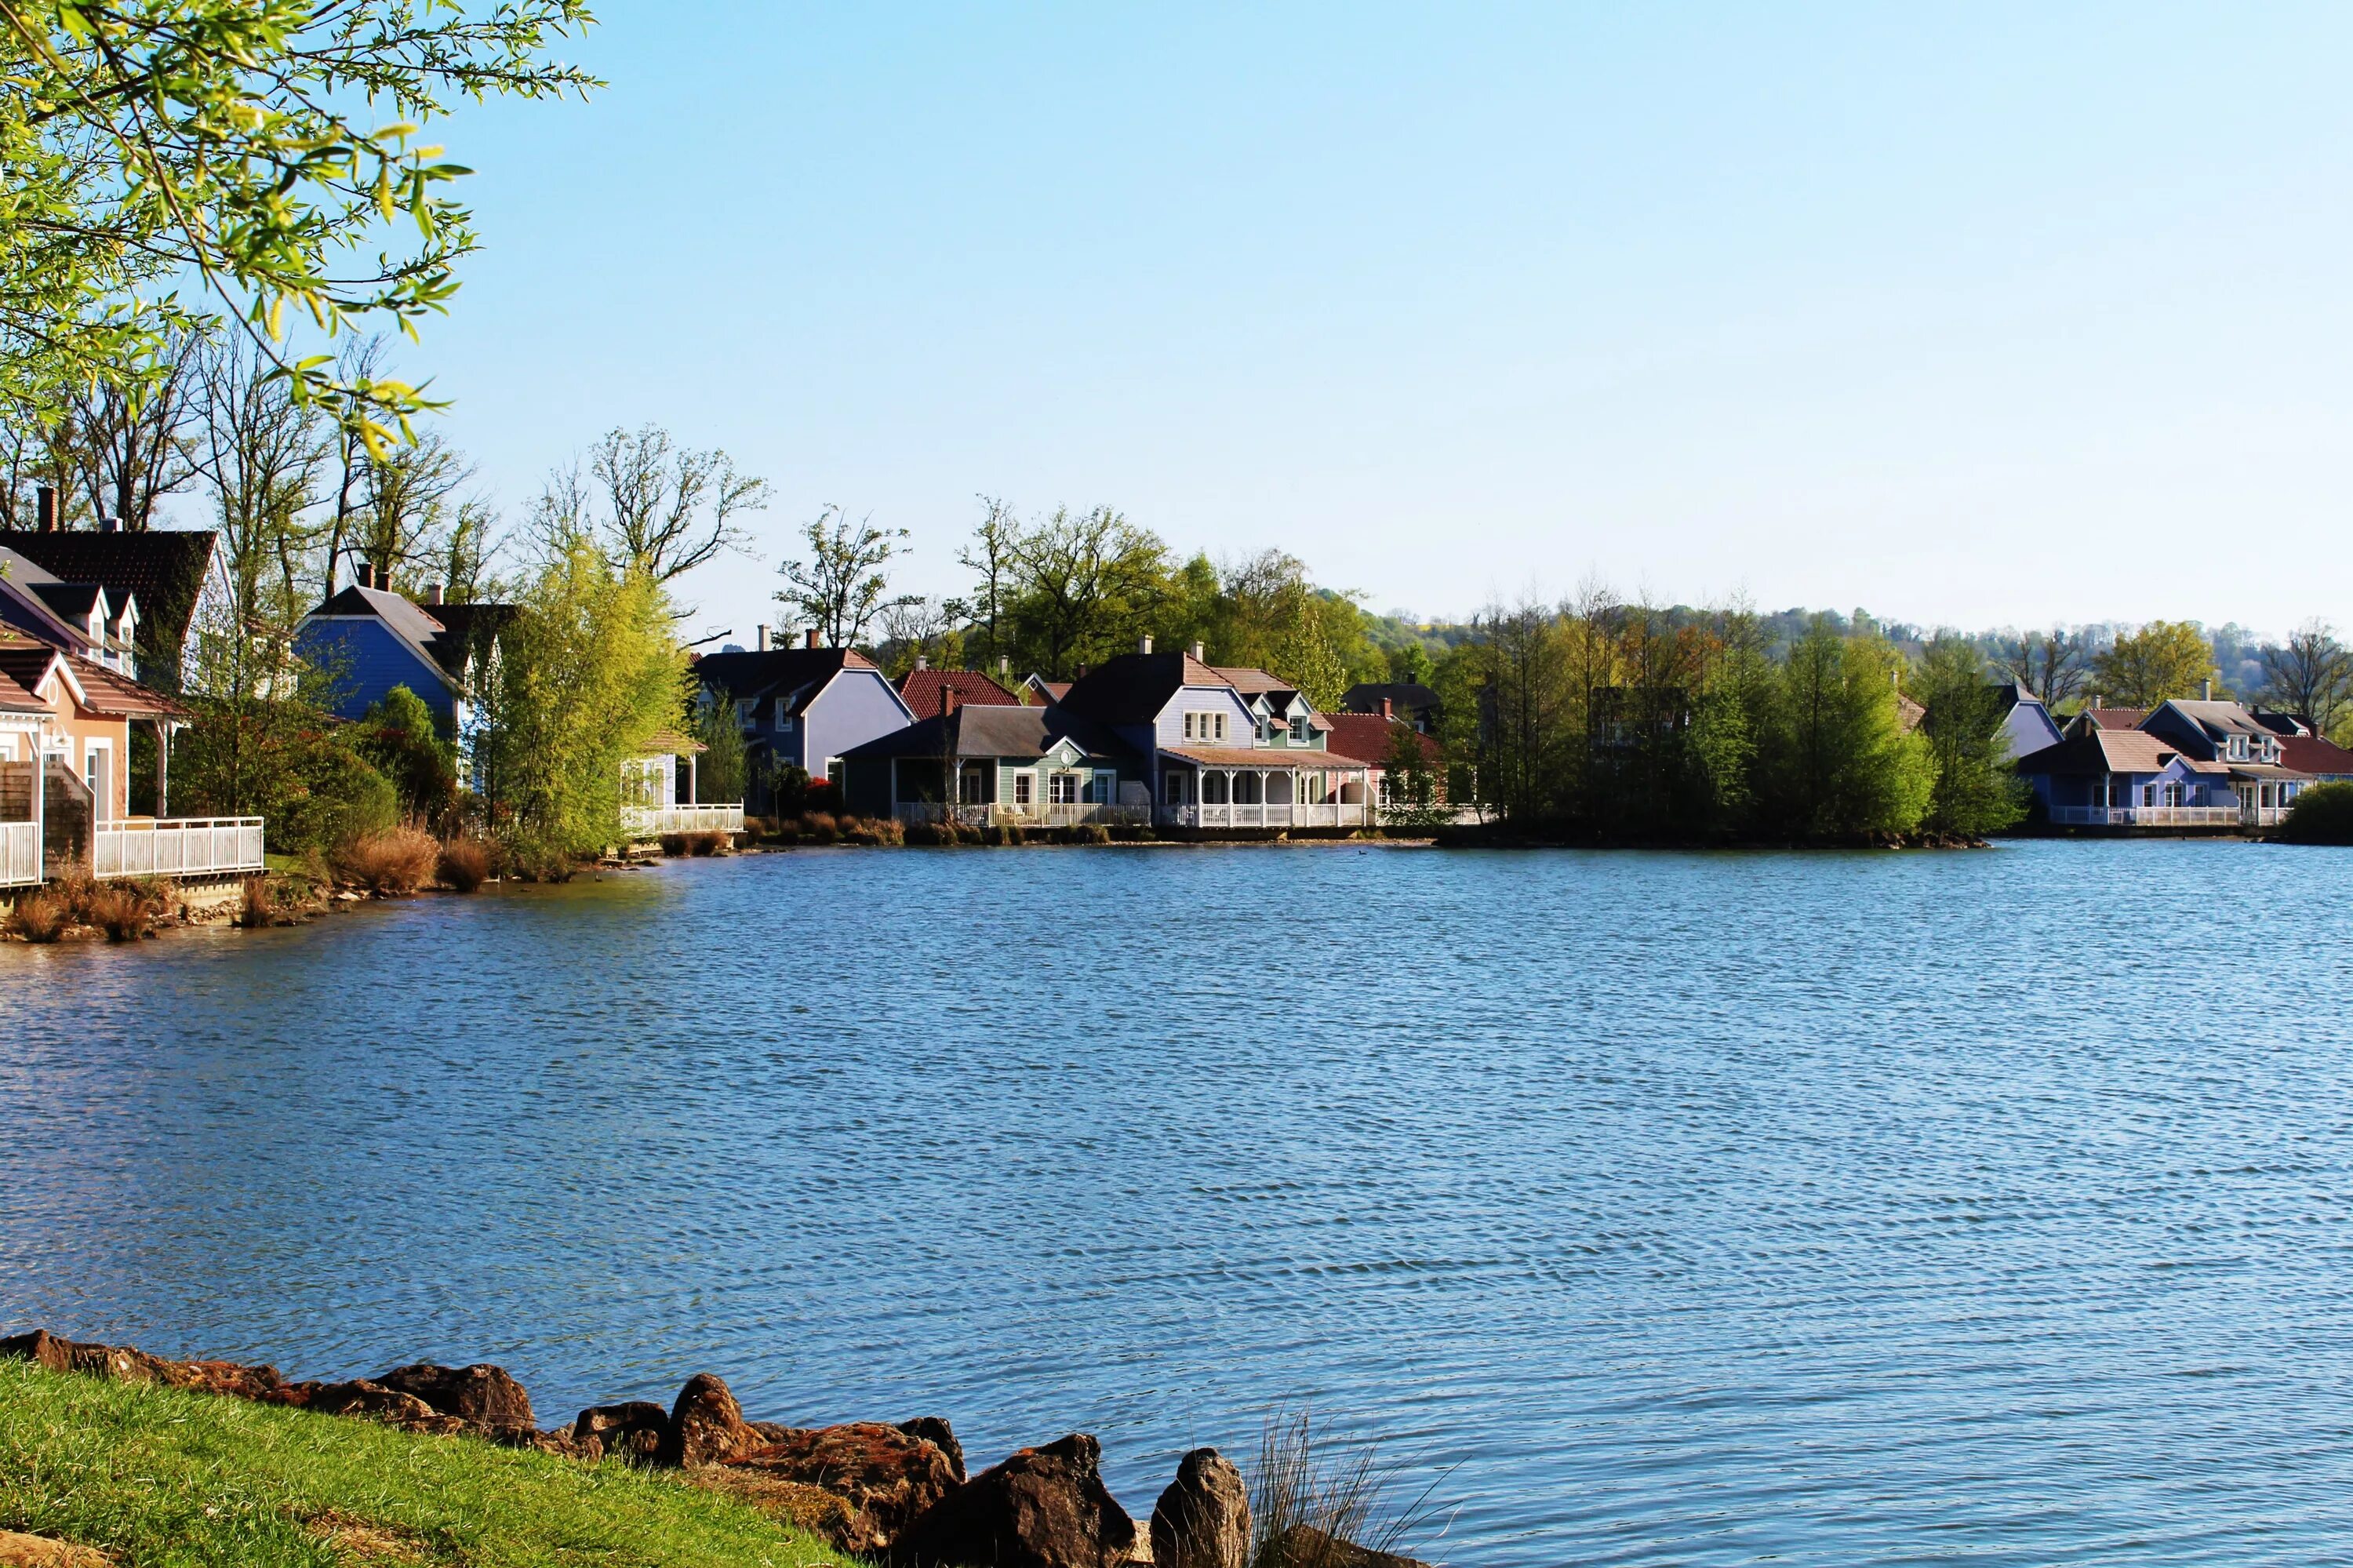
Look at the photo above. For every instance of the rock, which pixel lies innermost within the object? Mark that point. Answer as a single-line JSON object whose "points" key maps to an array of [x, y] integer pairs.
{"points": [[41, 1552], [116, 1361], [376, 1402], [796, 1503], [634, 1432], [934, 1430], [772, 1431], [1042, 1508], [232, 1379], [885, 1476], [706, 1425], [1303, 1547], [484, 1395], [1203, 1520]]}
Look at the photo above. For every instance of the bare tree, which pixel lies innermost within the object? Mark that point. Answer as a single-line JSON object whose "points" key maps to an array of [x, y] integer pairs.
{"points": [[1086, 582], [2311, 675], [668, 509], [919, 627], [138, 444], [412, 501], [995, 547], [2052, 665], [842, 587], [358, 366]]}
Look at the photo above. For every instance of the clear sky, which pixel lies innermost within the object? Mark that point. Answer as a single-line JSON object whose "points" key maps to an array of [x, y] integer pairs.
{"points": [[1978, 314]]}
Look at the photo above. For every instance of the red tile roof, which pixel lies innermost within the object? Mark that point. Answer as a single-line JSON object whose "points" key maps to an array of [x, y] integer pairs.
{"points": [[2310, 754], [1274, 757], [2116, 718], [1368, 737], [923, 691]]}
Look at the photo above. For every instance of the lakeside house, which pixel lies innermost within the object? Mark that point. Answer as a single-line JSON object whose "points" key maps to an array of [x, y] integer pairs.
{"points": [[1372, 739], [800, 707], [370, 639], [74, 719], [2187, 762], [1411, 701], [1222, 747], [2025, 725], [1010, 765], [927, 691], [160, 574]]}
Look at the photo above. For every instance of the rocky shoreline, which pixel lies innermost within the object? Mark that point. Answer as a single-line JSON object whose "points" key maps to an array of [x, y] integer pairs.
{"points": [[895, 1492]]}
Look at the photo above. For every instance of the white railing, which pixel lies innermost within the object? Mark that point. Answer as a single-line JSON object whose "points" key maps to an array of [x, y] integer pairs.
{"points": [[1276, 814], [1051, 815], [652, 820], [20, 853], [2151, 816], [176, 846]]}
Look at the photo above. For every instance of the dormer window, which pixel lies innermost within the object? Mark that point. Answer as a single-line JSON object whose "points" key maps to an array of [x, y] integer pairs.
{"points": [[1208, 726], [1299, 730]]}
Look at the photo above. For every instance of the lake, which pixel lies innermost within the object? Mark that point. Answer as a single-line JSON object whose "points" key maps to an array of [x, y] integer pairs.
{"points": [[1716, 1209]]}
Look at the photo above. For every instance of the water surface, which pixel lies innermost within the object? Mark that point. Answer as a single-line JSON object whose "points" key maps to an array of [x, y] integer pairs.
{"points": [[1834, 1210]]}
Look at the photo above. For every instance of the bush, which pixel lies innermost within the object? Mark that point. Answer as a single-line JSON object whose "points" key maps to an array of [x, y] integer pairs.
{"points": [[126, 913], [925, 835], [391, 863], [876, 831], [2323, 814], [465, 864], [39, 918], [1090, 834], [1312, 1508], [399, 738], [532, 858], [819, 827], [259, 907]]}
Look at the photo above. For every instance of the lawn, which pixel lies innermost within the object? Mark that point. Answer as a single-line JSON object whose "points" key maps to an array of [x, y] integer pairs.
{"points": [[154, 1476]]}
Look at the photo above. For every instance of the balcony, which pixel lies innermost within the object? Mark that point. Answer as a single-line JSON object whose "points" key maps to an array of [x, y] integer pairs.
{"points": [[20, 853], [1276, 814], [2166, 816], [652, 821], [175, 846]]}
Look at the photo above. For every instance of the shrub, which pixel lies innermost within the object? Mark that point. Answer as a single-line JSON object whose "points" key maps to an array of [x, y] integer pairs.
{"points": [[709, 841], [820, 827], [39, 918], [925, 835], [877, 830], [1313, 1509], [124, 913], [259, 907], [674, 844], [1090, 834], [2323, 814], [391, 864], [465, 864]]}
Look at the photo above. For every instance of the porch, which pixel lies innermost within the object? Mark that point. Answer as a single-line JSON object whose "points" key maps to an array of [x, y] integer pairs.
{"points": [[652, 821], [1043, 814], [1248, 788], [176, 846], [2223, 817], [1275, 814]]}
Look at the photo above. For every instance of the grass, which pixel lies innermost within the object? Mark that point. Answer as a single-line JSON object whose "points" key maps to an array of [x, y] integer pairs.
{"points": [[1312, 1502], [154, 1476], [395, 863]]}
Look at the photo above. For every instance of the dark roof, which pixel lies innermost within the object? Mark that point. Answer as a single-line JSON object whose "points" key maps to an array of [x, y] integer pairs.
{"points": [[162, 568], [1133, 688], [2217, 718], [921, 690], [2311, 754], [444, 635], [24, 662], [994, 730], [22, 609], [2281, 723], [14, 698], [2104, 751], [71, 601], [1368, 737], [1404, 697], [798, 675]]}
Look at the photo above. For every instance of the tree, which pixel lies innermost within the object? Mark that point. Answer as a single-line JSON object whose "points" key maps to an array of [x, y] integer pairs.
{"points": [[1410, 785], [1409, 665], [399, 739], [723, 774], [2311, 675], [995, 547], [920, 627], [1975, 792], [411, 505], [1838, 762], [2050, 665], [841, 587], [668, 508], [135, 442], [150, 140], [2162, 661], [1088, 585]]}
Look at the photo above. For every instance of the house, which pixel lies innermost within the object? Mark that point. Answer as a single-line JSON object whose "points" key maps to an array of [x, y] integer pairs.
{"points": [[2316, 759], [162, 573], [2127, 778], [2227, 733], [1409, 699], [1222, 749], [652, 802], [2092, 715], [801, 707], [2025, 725], [1371, 739], [1012, 766], [924, 690], [1036, 688], [369, 639]]}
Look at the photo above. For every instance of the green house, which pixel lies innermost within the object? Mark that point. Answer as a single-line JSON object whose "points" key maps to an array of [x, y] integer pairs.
{"points": [[999, 766]]}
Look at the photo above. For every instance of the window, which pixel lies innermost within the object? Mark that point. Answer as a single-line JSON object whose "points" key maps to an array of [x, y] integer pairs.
{"points": [[1299, 730], [1208, 726], [1063, 789], [972, 787], [783, 715], [1022, 784], [743, 712], [833, 770], [2173, 794]]}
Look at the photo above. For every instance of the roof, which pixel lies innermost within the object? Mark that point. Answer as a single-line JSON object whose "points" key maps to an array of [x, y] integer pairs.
{"points": [[2113, 718], [25, 609], [1052, 690], [1251, 681], [1274, 758], [994, 730], [1911, 713], [2219, 718], [670, 743], [2104, 751], [2281, 723], [2263, 770], [15, 699], [26, 663], [1131, 688], [2311, 754], [1405, 696], [796, 674], [113, 693], [162, 568], [1368, 737], [921, 691], [442, 635], [74, 601]]}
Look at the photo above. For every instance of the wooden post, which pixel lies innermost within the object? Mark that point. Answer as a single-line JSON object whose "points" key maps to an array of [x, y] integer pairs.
{"points": [[163, 768]]}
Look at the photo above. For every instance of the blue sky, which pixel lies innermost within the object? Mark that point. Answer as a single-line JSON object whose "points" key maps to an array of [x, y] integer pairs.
{"points": [[1974, 314]]}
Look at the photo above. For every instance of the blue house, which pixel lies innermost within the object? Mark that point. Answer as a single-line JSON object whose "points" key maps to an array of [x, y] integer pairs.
{"points": [[2127, 778], [2026, 726], [370, 639], [801, 707]]}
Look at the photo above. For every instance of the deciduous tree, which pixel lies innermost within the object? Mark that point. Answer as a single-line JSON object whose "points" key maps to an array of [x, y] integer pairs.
{"points": [[2164, 659]]}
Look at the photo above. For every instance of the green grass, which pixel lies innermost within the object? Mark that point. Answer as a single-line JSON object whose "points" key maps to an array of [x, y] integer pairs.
{"points": [[161, 1478]]}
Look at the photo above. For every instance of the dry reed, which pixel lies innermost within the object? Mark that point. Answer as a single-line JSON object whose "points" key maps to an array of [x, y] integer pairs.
{"points": [[391, 863], [1311, 1507], [39, 918], [465, 864]]}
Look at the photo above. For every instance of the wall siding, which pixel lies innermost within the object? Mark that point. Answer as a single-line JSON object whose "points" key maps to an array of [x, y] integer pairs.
{"points": [[859, 706], [368, 660], [1170, 728]]}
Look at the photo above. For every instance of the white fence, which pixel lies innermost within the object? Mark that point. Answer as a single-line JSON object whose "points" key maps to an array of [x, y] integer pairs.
{"points": [[650, 821], [2169, 816], [176, 846], [1049, 815], [20, 853], [1311, 814]]}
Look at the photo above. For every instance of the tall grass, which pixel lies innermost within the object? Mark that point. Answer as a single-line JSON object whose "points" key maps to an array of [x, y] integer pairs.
{"points": [[465, 864], [126, 913], [39, 918], [391, 864], [1311, 1504]]}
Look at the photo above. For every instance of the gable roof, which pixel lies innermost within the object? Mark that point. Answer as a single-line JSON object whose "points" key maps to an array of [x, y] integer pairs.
{"points": [[162, 568], [2216, 718], [28, 664], [1131, 688], [118, 695], [1367, 737], [15, 699], [994, 729], [25, 613], [72, 601], [443, 637], [1404, 697], [796, 674], [2108, 751], [1051, 691], [923, 691], [2312, 753]]}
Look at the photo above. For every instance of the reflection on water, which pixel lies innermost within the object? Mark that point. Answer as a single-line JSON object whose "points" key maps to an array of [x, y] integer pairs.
{"points": [[1694, 1209]]}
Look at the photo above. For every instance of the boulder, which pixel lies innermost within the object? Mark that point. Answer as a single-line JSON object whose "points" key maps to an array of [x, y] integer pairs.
{"points": [[232, 1379], [706, 1425], [634, 1432], [886, 1477], [1203, 1520], [1042, 1508], [484, 1395], [935, 1430], [1303, 1546], [116, 1361], [376, 1402], [41, 1552]]}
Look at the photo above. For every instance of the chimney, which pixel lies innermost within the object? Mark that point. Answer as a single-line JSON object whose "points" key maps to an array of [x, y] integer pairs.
{"points": [[1005, 663], [45, 509], [108, 525], [762, 637], [2206, 689], [1388, 709], [433, 593], [922, 661], [948, 702], [812, 637], [1200, 654], [1143, 643], [366, 577]]}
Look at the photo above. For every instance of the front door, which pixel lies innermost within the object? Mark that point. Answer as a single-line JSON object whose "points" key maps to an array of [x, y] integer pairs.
{"points": [[1176, 789]]}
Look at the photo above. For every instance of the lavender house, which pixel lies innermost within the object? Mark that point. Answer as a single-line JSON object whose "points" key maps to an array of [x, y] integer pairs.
{"points": [[801, 707]]}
